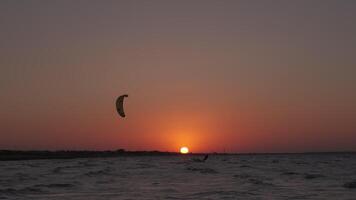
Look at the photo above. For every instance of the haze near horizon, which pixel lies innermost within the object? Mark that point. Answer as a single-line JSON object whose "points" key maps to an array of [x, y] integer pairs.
{"points": [[214, 76]]}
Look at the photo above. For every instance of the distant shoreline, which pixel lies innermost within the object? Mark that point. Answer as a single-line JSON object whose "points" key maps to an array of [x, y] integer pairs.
{"points": [[8, 155], [13, 155]]}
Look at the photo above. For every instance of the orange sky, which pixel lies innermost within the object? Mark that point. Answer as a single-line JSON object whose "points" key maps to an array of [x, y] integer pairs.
{"points": [[211, 75]]}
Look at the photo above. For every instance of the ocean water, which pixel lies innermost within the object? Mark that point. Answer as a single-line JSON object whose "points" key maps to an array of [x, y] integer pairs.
{"points": [[286, 176]]}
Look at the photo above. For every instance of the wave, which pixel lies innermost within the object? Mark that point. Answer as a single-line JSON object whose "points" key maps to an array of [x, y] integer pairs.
{"points": [[313, 176], [350, 185], [245, 166], [242, 176], [106, 171], [258, 182], [203, 170], [26, 190], [56, 185], [289, 173], [220, 193]]}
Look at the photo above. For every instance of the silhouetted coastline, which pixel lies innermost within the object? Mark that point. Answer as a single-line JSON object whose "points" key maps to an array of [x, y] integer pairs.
{"points": [[8, 155]]}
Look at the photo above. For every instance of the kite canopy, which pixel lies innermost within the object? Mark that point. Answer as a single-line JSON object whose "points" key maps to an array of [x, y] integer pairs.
{"points": [[120, 105]]}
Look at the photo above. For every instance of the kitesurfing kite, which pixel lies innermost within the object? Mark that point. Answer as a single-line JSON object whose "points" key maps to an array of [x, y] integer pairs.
{"points": [[120, 105]]}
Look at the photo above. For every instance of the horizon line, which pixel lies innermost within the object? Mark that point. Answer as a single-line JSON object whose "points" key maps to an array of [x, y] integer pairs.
{"points": [[177, 152]]}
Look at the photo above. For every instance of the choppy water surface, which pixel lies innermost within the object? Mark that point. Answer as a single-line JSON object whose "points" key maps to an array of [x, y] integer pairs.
{"points": [[298, 176]]}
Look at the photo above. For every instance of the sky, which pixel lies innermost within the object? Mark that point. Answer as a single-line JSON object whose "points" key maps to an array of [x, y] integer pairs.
{"points": [[216, 76]]}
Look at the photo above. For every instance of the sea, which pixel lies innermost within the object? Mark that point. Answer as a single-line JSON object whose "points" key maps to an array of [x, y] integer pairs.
{"points": [[251, 176]]}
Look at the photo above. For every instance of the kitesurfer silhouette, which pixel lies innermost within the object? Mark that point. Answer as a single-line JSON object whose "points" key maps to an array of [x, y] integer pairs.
{"points": [[120, 105]]}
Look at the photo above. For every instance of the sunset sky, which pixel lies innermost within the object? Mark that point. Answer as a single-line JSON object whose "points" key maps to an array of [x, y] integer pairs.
{"points": [[234, 76]]}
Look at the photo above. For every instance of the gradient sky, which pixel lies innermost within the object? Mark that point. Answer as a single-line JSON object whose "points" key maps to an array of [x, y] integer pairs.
{"points": [[235, 76]]}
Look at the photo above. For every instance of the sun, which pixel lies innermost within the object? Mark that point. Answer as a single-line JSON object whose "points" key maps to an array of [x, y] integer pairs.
{"points": [[184, 150]]}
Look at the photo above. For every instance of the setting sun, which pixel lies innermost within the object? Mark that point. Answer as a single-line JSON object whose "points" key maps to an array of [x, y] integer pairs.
{"points": [[184, 150]]}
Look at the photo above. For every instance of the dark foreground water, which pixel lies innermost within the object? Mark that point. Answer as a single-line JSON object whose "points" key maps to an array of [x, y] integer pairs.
{"points": [[298, 176]]}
